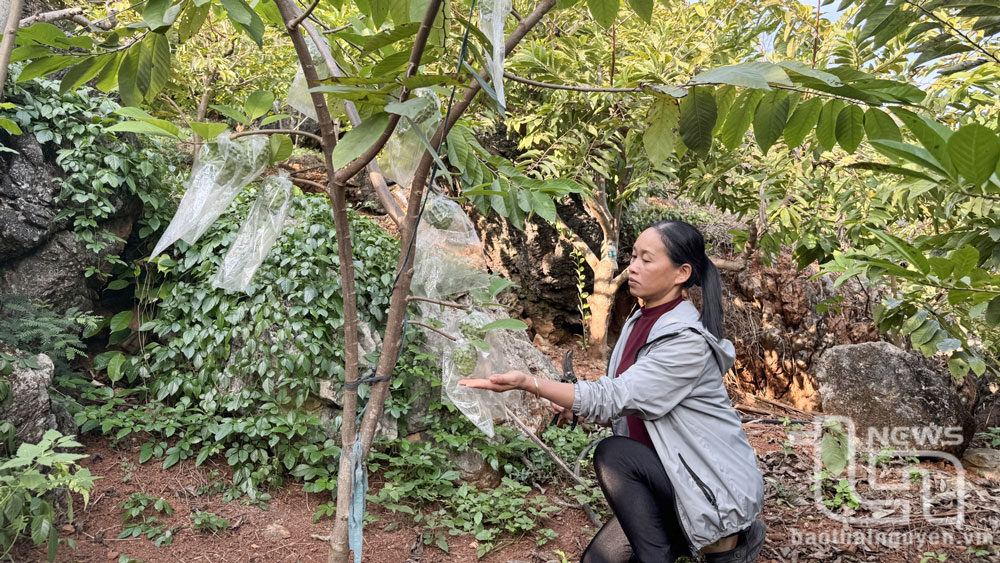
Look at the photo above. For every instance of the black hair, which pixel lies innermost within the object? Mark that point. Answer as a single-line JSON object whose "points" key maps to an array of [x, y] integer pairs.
{"points": [[685, 245]]}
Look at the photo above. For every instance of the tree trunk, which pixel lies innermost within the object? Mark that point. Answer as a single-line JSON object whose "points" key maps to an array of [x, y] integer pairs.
{"points": [[607, 280], [7, 45]]}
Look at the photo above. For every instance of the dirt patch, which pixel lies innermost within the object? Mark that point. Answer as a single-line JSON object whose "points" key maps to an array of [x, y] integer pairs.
{"points": [[393, 538]]}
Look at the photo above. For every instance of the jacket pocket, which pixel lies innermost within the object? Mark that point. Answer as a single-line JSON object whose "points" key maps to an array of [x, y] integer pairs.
{"points": [[709, 495]]}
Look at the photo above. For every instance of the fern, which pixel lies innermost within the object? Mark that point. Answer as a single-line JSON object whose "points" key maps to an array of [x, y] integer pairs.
{"points": [[31, 327]]}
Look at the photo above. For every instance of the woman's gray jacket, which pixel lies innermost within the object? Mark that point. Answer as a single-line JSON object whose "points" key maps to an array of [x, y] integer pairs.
{"points": [[675, 386]]}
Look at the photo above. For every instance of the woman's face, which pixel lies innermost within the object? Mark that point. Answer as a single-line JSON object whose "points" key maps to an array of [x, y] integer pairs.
{"points": [[652, 275]]}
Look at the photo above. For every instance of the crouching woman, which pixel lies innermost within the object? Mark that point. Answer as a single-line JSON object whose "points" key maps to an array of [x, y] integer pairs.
{"points": [[679, 472]]}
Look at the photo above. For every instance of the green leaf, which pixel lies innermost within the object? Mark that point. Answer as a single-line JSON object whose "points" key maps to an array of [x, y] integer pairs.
{"points": [[505, 324], [643, 9], [115, 367], [850, 128], [232, 113], [410, 108], [880, 125], [191, 22], [45, 66], [910, 153], [245, 18], [159, 64], [826, 128], [963, 261], [390, 36], [802, 69], [660, 136], [697, 119], [107, 79], [834, 452], [974, 150], [128, 87], [83, 72], [755, 74], [281, 147], [258, 104], [159, 15], [142, 128], [10, 126], [911, 254], [543, 205], [769, 120], [357, 140], [740, 117], [604, 11], [120, 321], [208, 130], [931, 134], [993, 312], [802, 121]]}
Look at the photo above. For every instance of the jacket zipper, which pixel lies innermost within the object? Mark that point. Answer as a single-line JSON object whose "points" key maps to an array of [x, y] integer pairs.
{"points": [[704, 488]]}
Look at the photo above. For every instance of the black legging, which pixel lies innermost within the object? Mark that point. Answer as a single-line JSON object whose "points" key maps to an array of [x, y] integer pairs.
{"points": [[645, 526]]}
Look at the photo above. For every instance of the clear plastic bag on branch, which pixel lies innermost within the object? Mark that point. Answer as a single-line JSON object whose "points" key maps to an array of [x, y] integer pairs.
{"points": [[260, 230], [223, 168], [492, 14], [448, 259], [404, 149], [298, 92], [464, 359]]}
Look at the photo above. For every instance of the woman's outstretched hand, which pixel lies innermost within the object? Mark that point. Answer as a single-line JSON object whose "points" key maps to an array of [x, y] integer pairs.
{"points": [[499, 382]]}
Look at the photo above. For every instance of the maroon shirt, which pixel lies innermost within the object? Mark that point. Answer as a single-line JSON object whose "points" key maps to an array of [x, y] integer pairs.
{"points": [[636, 339]]}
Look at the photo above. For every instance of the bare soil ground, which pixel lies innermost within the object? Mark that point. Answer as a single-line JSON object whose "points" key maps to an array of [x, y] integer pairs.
{"points": [[800, 526]]}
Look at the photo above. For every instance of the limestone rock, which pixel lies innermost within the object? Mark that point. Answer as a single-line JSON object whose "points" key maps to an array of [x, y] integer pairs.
{"points": [[984, 461], [28, 189], [38, 255], [474, 470], [892, 395], [29, 407], [276, 532]]}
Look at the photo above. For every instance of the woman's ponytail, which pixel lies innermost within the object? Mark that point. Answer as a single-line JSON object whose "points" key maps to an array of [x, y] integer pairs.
{"points": [[711, 299], [685, 245]]}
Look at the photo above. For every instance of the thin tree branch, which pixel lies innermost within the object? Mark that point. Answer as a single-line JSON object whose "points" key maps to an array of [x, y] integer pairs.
{"points": [[309, 183], [552, 86], [437, 302], [545, 448], [312, 136], [432, 329], [295, 23], [961, 34], [7, 44], [419, 43], [983, 196], [621, 278], [49, 17]]}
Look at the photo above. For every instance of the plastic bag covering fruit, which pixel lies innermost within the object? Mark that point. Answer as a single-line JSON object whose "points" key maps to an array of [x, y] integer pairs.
{"points": [[492, 15], [404, 149], [463, 359], [223, 168], [257, 235], [298, 92], [449, 260]]}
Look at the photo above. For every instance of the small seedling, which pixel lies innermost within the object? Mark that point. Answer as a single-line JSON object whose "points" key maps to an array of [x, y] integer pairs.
{"points": [[208, 522]]}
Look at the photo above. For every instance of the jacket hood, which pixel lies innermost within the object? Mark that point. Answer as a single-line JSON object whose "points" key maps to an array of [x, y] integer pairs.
{"points": [[685, 316]]}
